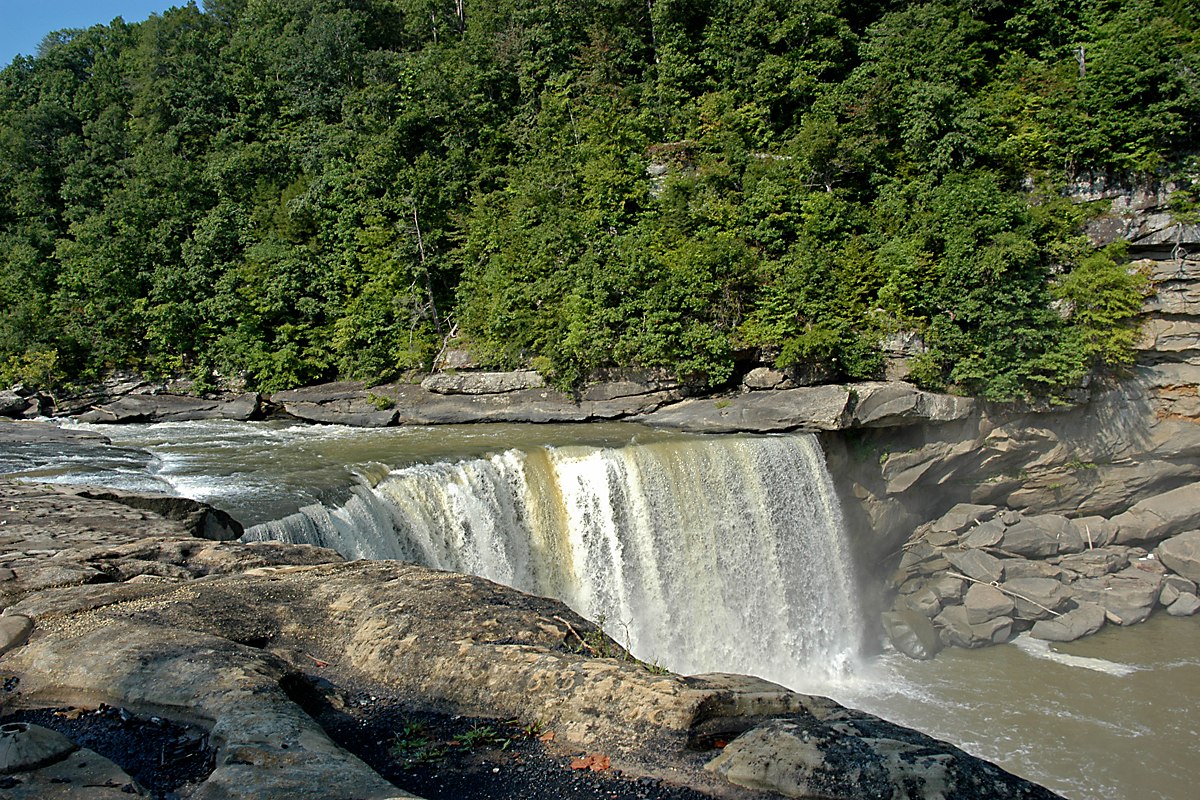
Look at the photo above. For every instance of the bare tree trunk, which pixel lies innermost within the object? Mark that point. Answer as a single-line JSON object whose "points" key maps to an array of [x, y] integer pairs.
{"points": [[437, 324], [653, 36]]}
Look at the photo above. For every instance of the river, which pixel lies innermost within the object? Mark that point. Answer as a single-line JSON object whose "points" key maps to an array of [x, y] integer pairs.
{"points": [[1111, 716]]}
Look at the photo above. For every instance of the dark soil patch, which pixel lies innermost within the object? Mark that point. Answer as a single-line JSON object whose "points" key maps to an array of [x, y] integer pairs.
{"points": [[160, 754], [434, 755], [444, 757]]}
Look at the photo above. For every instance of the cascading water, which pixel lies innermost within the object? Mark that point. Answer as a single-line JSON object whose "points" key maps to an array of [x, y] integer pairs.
{"points": [[723, 554]]}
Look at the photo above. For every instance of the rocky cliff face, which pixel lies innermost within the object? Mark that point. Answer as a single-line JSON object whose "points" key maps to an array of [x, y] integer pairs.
{"points": [[1122, 467]]}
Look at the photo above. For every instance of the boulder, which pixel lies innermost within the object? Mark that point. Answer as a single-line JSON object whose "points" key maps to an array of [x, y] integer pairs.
{"points": [[1037, 598], [919, 553], [912, 633], [765, 378], [1070, 540], [1161, 516], [483, 382], [1097, 562], [963, 517], [1181, 583], [418, 406], [1125, 598], [890, 404], [955, 629], [823, 408], [14, 630], [1010, 517], [1181, 554], [948, 589], [614, 384], [171, 408], [1096, 531], [1185, 606], [925, 601], [1125, 617], [12, 404], [363, 418], [855, 756], [941, 538], [987, 534], [976, 564], [984, 603], [810, 373], [455, 358], [1024, 568], [1028, 539], [1084, 620]]}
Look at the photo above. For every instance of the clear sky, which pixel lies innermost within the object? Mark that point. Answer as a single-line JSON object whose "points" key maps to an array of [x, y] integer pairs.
{"points": [[23, 23]]}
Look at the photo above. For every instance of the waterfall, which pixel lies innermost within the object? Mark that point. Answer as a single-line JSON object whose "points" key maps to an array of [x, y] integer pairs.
{"points": [[702, 555]]}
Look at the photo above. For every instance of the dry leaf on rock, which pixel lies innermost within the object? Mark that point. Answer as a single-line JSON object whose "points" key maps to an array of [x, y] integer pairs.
{"points": [[595, 762]]}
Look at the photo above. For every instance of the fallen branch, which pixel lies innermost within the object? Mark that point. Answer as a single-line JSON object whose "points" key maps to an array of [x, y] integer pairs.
{"points": [[320, 663], [582, 641], [1017, 595]]}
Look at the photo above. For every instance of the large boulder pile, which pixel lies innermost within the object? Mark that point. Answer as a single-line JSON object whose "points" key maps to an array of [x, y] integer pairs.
{"points": [[979, 574], [105, 599]]}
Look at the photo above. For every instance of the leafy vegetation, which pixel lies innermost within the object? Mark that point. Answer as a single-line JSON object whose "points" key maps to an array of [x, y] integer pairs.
{"points": [[295, 190]]}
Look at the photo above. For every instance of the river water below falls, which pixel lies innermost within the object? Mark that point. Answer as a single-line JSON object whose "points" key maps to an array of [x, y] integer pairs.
{"points": [[701, 553]]}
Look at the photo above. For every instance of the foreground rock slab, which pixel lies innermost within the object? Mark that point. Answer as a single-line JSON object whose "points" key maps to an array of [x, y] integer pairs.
{"points": [[231, 633], [848, 754]]}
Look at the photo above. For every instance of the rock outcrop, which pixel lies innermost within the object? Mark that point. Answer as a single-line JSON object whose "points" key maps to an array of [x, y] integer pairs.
{"points": [[821, 408], [1043, 573], [170, 407], [145, 616], [469, 398]]}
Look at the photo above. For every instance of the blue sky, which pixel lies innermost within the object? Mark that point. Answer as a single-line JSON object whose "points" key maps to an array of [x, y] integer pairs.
{"points": [[23, 23]]}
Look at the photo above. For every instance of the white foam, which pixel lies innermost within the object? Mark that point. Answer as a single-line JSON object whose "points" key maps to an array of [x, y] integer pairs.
{"points": [[1039, 648]]}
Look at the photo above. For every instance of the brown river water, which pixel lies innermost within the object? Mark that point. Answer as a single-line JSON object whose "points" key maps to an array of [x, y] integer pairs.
{"points": [[1114, 716]]}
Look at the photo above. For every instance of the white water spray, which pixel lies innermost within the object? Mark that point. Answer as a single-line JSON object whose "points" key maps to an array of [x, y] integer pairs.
{"points": [[723, 554]]}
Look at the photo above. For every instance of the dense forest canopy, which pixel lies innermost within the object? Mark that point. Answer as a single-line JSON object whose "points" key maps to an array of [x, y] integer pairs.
{"points": [[297, 190]]}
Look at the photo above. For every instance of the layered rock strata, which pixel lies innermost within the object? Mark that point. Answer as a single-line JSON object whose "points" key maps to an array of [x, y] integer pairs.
{"points": [[979, 574]]}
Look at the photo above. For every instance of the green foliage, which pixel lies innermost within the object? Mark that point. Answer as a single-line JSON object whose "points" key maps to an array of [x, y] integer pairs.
{"points": [[483, 736], [412, 746], [36, 369], [297, 190]]}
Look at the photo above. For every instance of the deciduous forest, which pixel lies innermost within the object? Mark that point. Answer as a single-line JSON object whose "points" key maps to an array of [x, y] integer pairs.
{"points": [[299, 190]]}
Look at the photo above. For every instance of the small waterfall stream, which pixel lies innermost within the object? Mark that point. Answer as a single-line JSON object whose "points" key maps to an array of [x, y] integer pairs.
{"points": [[721, 554]]}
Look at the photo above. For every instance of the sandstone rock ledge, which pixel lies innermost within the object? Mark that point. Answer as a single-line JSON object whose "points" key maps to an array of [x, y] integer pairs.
{"points": [[130, 609], [522, 397]]}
